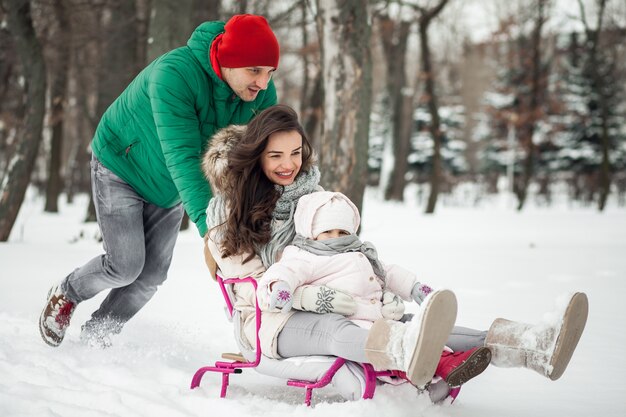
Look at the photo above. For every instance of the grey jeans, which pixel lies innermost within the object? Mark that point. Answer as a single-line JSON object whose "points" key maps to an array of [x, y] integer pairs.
{"points": [[307, 334], [138, 240]]}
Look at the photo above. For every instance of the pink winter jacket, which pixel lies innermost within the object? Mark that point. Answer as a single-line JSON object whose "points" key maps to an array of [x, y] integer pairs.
{"points": [[349, 272]]}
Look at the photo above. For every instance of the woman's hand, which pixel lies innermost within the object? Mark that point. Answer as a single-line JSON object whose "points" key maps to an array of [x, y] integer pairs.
{"points": [[208, 257], [322, 299]]}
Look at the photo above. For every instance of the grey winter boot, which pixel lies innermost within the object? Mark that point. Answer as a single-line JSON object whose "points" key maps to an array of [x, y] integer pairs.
{"points": [[414, 347], [546, 348]]}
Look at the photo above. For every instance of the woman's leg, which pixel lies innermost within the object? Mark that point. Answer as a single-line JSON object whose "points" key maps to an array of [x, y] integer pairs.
{"points": [[414, 347], [307, 334], [462, 339]]}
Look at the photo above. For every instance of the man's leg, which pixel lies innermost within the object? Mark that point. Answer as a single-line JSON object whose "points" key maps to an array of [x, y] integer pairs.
{"points": [[119, 211], [161, 228]]}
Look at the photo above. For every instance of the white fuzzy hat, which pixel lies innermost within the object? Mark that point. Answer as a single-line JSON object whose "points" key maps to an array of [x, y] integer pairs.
{"points": [[325, 210], [336, 214]]}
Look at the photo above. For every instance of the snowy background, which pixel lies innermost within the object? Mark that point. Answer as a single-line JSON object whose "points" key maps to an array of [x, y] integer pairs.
{"points": [[500, 263]]}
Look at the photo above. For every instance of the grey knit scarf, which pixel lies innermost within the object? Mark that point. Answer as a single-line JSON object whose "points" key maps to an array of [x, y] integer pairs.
{"points": [[339, 245], [283, 229]]}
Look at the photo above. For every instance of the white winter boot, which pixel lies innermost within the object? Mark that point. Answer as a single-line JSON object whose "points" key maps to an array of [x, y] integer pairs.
{"points": [[546, 348], [414, 347]]}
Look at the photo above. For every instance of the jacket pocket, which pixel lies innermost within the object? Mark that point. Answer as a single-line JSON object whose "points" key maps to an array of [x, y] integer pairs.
{"points": [[129, 148]]}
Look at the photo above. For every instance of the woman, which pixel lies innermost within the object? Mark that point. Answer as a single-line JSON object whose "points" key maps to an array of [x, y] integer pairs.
{"points": [[258, 173]]}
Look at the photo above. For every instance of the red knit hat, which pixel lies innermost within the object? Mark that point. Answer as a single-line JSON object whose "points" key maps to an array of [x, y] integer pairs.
{"points": [[248, 41]]}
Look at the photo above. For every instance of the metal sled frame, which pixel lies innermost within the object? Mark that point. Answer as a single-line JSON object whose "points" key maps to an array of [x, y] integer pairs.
{"points": [[237, 366]]}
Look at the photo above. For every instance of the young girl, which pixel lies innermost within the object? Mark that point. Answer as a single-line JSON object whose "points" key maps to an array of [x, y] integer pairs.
{"points": [[326, 251]]}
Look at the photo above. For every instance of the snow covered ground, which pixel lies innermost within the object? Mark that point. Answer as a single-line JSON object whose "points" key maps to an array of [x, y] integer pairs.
{"points": [[499, 262]]}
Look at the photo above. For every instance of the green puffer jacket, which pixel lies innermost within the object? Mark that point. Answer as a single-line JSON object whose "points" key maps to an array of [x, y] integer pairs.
{"points": [[154, 134]]}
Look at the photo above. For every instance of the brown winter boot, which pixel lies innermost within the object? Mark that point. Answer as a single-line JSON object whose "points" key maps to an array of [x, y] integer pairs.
{"points": [[545, 348], [414, 347], [55, 317]]}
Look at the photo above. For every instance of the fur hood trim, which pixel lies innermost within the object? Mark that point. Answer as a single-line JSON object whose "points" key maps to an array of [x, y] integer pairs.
{"points": [[215, 159]]}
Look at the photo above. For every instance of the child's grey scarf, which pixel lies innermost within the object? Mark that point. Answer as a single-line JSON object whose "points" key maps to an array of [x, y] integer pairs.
{"points": [[339, 245], [283, 229]]}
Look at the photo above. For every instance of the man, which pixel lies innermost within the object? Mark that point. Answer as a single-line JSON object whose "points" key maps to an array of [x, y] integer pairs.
{"points": [[146, 166]]}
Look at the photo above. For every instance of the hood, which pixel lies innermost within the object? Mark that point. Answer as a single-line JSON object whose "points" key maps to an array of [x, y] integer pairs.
{"points": [[200, 44], [309, 204], [215, 159]]}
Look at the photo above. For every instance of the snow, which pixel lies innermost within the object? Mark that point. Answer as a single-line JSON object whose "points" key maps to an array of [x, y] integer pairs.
{"points": [[499, 262]]}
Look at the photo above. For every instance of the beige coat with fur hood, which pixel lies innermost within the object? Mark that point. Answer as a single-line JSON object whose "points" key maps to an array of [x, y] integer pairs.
{"points": [[214, 165]]}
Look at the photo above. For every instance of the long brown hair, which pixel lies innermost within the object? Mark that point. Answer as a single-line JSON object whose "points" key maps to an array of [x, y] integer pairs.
{"points": [[253, 196]]}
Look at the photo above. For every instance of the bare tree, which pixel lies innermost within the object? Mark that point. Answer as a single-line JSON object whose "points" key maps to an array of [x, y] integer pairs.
{"points": [[531, 89], [58, 68], [17, 177], [206, 10], [599, 89], [395, 35], [117, 58], [344, 33], [311, 92], [170, 26], [426, 16], [80, 114], [11, 94]]}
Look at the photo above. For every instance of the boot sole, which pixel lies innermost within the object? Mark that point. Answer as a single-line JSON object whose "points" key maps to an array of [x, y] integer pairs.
{"points": [[437, 321], [42, 328], [44, 336], [574, 321], [473, 366]]}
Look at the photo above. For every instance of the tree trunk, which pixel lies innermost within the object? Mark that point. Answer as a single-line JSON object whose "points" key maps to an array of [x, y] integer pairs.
{"points": [[118, 58], [85, 39], [58, 90], [605, 166], [312, 116], [242, 6], [304, 91], [17, 178], [344, 34], [395, 38], [170, 26], [428, 75], [205, 10], [531, 116], [118, 53], [311, 93], [599, 87]]}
